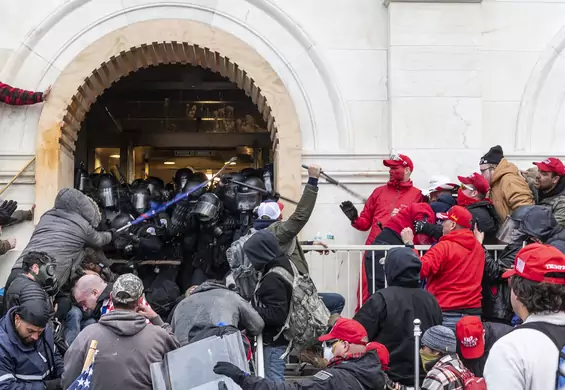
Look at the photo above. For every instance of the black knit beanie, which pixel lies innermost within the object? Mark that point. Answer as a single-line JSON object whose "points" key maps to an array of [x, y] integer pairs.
{"points": [[493, 156]]}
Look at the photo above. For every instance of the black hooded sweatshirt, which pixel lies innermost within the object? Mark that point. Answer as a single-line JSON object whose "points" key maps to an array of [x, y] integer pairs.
{"points": [[364, 373], [273, 295], [388, 316]]}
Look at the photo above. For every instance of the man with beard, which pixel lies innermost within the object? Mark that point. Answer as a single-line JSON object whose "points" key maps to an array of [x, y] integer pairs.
{"points": [[385, 202], [550, 184], [29, 359]]}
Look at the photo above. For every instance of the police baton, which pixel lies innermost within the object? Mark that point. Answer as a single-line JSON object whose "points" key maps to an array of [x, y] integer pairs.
{"points": [[333, 181], [262, 190]]}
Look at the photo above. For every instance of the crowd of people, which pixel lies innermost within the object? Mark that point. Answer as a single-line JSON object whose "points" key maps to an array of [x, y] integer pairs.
{"points": [[488, 319]]}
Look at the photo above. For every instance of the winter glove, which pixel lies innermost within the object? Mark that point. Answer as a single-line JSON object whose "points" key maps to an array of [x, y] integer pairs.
{"points": [[6, 210], [432, 230], [53, 384], [349, 210], [231, 371]]}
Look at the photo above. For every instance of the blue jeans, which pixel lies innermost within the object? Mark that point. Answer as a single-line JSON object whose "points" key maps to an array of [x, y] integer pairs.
{"points": [[74, 324], [450, 319], [274, 365], [334, 302]]}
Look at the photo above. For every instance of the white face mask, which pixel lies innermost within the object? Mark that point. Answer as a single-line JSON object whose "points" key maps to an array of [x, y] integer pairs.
{"points": [[328, 353]]}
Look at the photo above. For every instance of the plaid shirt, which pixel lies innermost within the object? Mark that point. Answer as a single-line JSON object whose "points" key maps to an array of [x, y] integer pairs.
{"points": [[18, 97], [441, 376]]}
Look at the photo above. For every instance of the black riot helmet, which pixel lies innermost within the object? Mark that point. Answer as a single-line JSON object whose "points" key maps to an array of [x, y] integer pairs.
{"points": [[248, 198], [108, 187], [208, 208], [182, 176], [200, 177], [82, 180], [139, 197], [196, 194], [156, 187], [230, 190], [121, 220]]}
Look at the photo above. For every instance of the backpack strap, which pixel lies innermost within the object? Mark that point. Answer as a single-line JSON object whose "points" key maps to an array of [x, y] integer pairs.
{"points": [[293, 281], [556, 333]]}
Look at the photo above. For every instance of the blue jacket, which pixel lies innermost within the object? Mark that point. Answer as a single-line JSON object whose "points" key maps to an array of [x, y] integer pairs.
{"points": [[25, 367]]}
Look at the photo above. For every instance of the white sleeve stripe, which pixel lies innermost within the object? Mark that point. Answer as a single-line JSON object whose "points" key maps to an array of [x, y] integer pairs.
{"points": [[6, 377]]}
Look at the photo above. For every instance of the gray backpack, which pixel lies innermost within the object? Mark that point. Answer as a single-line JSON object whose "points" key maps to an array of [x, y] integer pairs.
{"points": [[308, 316], [244, 275]]}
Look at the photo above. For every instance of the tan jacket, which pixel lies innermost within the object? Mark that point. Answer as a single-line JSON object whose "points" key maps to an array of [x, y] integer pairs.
{"points": [[509, 190]]}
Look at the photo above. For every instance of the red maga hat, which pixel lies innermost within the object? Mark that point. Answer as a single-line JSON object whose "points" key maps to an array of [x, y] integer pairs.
{"points": [[535, 261]]}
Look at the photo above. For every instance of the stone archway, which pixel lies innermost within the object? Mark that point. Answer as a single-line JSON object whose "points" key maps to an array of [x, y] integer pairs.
{"points": [[156, 54], [151, 43]]}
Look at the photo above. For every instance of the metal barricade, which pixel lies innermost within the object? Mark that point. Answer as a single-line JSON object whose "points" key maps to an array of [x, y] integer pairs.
{"points": [[340, 269]]}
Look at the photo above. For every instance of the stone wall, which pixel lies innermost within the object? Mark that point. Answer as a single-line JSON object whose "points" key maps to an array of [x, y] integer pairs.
{"points": [[441, 82]]}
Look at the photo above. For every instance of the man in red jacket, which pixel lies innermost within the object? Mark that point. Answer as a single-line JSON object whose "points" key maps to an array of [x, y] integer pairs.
{"points": [[384, 202], [20, 97], [454, 267]]}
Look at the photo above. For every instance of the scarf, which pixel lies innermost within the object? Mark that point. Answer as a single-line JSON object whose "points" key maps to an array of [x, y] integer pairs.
{"points": [[340, 359], [463, 200]]}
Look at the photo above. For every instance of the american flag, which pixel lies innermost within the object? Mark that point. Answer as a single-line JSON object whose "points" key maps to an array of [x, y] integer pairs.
{"points": [[84, 379]]}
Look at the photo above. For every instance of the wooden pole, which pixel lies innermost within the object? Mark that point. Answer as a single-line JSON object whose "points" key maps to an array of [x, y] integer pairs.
{"points": [[17, 175], [90, 355]]}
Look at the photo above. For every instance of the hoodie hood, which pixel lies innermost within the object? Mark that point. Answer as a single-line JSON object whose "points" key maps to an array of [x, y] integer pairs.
{"points": [[538, 222], [367, 370], [209, 285], [504, 168], [74, 201], [262, 248], [260, 224], [123, 322], [463, 237], [402, 267], [443, 203]]}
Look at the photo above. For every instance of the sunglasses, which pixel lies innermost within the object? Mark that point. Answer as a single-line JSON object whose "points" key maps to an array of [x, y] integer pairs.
{"points": [[467, 187], [396, 157]]}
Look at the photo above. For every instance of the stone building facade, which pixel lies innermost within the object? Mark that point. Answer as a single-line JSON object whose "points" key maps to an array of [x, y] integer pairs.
{"points": [[346, 82]]}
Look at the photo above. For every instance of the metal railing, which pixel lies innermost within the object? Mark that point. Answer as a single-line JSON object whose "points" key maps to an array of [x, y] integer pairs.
{"points": [[338, 269]]}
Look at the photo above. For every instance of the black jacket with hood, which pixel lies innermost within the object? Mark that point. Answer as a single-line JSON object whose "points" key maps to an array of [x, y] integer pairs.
{"points": [[65, 231], [273, 294], [486, 218], [389, 314], [364, 373]]}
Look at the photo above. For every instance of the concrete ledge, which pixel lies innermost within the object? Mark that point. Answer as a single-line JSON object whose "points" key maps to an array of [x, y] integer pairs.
{"points": [[387, 2]]}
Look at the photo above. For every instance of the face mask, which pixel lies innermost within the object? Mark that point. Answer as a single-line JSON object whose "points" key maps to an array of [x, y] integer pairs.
{"points": [[328, 352], [464, 200], [428, 361]]}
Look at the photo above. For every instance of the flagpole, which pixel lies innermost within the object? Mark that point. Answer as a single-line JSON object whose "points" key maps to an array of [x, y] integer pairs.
{"points": [[90, 355]]}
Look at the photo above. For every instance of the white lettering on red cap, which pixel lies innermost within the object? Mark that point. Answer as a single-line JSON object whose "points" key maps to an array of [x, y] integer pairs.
{"points": [[470, 342], [559, 267], [547, 161], [520, 264]]}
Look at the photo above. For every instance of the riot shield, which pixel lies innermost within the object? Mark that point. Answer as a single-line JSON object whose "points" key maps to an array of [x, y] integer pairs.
{"points": [[191, 367]]}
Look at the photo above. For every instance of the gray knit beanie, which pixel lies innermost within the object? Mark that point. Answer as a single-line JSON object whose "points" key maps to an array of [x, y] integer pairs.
{"points": [[440, 338]]}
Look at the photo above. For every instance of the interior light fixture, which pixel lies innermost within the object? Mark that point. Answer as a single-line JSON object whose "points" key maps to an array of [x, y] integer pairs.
{"points": [[169, 163], [114, 156], [231, 163]]}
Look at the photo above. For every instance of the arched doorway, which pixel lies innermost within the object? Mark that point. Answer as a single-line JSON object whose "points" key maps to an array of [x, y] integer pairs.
{"points": [[76, 89]]}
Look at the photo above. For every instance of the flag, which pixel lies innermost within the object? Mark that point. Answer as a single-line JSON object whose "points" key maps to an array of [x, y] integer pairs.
{"points": [[84, 379]]}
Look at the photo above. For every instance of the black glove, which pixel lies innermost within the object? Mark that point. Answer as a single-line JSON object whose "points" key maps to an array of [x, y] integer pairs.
{"points": [[53, 384], [432, 230], [6, 210], [231, 371], [349, 210]]}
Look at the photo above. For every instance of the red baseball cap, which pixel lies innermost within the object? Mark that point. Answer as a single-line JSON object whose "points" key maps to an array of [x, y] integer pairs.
{"points": [[399, 159], [460, 215], [382, 351], [347, 330], [534, 261], [551, 164], [469, 331], [477, 181]]}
